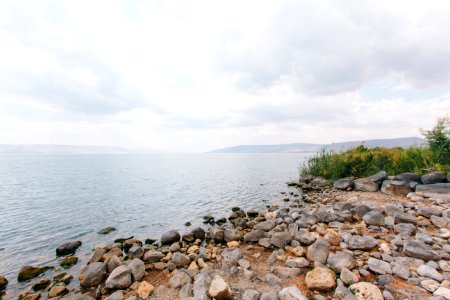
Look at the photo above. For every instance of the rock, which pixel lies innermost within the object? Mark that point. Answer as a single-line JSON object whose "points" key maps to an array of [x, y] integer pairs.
{"points": [[170, 237], [174, 247], [419, 250], [427, 211], [321, 279], [153, 256], [69, 261], [185, 291], [93, 274], [219, 289], [430, 285], [441, 222], [273, 280], [404, 218], [405, 229], [244, 264], [58, 290], [348, 277], [217, 234], [305, 237], [365, 185], [285, 272], [29, 272], [137, 268], [250, 294], [427, 271], [41, 284], [378, 177], [374, 217], [117, 295], [442, 291], [297, 262], [280, 239], [179, 279], [232, 256], [198, 233], [408, 177], [318, 252], [343, 183], [231, 235], [269, 296], [3, 282], [107, 230], [436, 188], [120, 278], [29, 296], [339, 260], [366, 291], [113, 263], [356, 242], [291, 293], [98, 255], [254, 235], [394, 187], [180, 259], [400, 270], [265, 226], [434, 177], [68, 248], [135, 252], [379, 266]]}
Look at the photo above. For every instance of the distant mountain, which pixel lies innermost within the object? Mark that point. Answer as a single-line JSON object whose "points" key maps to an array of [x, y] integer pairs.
{"points": [[66, 149], [311, 148]]}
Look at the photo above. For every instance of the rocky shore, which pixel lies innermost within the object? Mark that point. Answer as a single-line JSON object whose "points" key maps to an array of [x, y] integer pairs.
{"points": [[381, 237]]}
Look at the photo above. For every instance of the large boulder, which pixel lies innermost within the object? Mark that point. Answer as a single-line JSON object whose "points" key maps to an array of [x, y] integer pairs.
{"points": [[120, 278], [320, 279], [343, 183], [436, 188], [419, 250], [395, 187], [93, 274], [170, 237], [67, 248], [378, 177], [408, 177], [365, 185], [366, 291], [434, 177]]}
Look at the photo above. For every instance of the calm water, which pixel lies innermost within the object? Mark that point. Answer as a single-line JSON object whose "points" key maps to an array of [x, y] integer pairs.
{"points": [[47, 200]]}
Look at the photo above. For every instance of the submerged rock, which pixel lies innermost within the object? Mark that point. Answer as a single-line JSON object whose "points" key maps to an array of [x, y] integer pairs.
{"points": [[29, 272], [107, 230], [69, 261], [68, 248]]}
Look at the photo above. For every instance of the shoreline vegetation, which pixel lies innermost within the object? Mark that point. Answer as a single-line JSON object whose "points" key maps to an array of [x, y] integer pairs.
{"points": [[356, 225]]}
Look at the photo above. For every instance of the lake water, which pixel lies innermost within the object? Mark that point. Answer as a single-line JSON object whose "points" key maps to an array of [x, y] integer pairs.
{"points": [[46, 200]]}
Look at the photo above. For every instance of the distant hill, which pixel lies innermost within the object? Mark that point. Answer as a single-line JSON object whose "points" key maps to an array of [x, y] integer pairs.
{"points": [[311, 148], [65, 149]]}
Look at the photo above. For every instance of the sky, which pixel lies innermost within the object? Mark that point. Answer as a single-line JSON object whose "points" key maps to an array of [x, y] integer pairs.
{"points": [[192, 76]]}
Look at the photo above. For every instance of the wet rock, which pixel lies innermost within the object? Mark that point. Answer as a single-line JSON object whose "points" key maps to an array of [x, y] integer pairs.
{"points": [[3, 282], [113, 263], [170, 237], [427, 271], [265, 226], [107, 230], [374, 217], [179, 279], [97, 256], [318, 252], [41, 284], [217, 234], [120, 278], [394, 187], [58, 290], [254, 235], [321, 279], [232, 235], [68, 248], [419, 250], [305, 237], [29, 296], [366, 291], [180, 259], [29, 272], [137, 268], [280, 239], [198, 233], [69, 261], [434, 177], [291, 293], [219, 289], [430, 285], [153, 256], [357, 242], [92, 274], [379, 266], [340, 260], [408, 177]]}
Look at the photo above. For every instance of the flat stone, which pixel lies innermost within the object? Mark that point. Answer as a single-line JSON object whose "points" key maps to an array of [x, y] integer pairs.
{"points": [[395, 187], [379, 266], [356, 242], [321, 279], [434, 177], [365, 185], [427, 271], [419, 250], [343, 183]]}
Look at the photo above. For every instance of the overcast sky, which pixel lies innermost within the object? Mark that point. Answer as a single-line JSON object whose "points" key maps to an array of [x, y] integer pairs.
{"points": [[197, 75]]}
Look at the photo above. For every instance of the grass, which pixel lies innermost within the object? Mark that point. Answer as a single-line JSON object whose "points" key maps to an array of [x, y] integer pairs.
{"points": [[362, 162]]}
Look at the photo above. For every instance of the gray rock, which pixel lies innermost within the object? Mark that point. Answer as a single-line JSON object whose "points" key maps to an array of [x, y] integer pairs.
{"points": [[269, 296], [113, 263], [348, 277], [232, 256], [273, 280], [379, 266], [135, 252], [419, 250], [378, 177], [217, 234], [343, 183], [427, 271], [93, 274], [408, 177], [185, 291], [400, 270], [244, 264], [120, 278], [68, 248], [365, 185], [359, 211], [137, 268], [430, 285], [153, 256], [232, 235], [265, 242], [394, 187], [180, 259], [254, 235], [318, 252], [356, 242], [434, 177], [250, 294], [405, 229], [427, 211], [374, 217], [170, 237], [339, 260], [280, 239], [305, 237], [291, 293], [179, 279], [286, 272], [201, 284], [265, 226], [385, 279], [441, 222], [297, 262], [404, 218]]}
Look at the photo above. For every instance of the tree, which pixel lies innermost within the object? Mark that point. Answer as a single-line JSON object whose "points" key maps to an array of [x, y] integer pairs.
{"points": [[439, 140]]}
